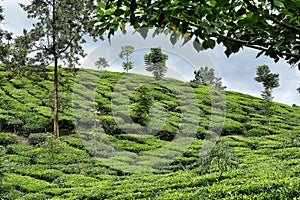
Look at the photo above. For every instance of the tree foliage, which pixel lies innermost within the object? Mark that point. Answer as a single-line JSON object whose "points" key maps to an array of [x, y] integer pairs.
{"points": [[269, 81], [142, 105], [56, 36], [271, 26], [220, 156], [125, 55], [5, 39], [155, 62], [207, 76], [101, 63]]}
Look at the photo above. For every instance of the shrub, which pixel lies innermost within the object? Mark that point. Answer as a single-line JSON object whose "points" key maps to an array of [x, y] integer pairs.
{"points": [[238, 117], [39, 138], [20, 149], [168, 132], [6, 139], [2, 150], [39, 172], [73, 141], [26, 183], [14, 160], [231, 127], [35, 123], [74, 180], [35, 196], [133, 128], [109, 125], [11, 194], [66, 124], [257, 132], [201, 132]]}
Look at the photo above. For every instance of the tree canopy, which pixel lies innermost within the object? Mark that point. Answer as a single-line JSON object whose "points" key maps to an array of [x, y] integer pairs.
{"points": [[5, 38], [270, 26], [155, 62], [268, 79], [101, 63], [125, 55], [56, 36], [207, 76]]}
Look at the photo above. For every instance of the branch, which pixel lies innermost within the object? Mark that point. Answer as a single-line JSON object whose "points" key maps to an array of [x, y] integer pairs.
{"points": [[282, 23], [243, 42], [68, 45], [253, 8]]}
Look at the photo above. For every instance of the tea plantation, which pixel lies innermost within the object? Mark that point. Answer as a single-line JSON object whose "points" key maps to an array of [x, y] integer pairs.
{"points": [[127, 136]]}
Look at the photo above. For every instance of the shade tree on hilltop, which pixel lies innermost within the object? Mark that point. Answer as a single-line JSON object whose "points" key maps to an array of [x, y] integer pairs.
{"points": [[155, 62], [125, 55], [101, 63], [206, 76], [269, 81]]}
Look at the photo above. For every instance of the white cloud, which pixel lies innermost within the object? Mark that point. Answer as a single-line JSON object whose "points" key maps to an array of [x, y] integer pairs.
{"points": [[15, 17]]}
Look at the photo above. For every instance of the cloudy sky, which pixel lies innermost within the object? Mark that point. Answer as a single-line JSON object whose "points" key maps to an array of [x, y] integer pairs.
{"points": [[237, 71]]}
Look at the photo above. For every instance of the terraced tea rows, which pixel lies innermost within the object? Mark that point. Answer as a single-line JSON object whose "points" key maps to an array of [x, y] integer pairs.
{"points": [[114, 155]]}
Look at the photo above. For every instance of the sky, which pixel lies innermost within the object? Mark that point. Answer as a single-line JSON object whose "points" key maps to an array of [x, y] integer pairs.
{"points": [[237, 71]]}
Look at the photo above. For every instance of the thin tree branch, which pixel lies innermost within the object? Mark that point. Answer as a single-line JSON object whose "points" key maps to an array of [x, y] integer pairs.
{"points": [[243, 42], [68, 45], [253, 8]]}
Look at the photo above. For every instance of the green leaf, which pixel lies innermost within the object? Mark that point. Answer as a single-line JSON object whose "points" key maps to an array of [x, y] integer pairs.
{"points": [[213, 3], [143, 32], [102, 5], [208, 44], [186, 40], [119, 12], [210, 29], [228, 52], [197, 45], [278, 3], [173, 38]]}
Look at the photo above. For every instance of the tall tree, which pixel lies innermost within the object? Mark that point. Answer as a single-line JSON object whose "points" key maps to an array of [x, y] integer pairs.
{"points": [[101, 63], [142, 105], [207, 76], [5, 39], [125, 55], [57, 35], [156, 62], [269, 81], [270, 26]]}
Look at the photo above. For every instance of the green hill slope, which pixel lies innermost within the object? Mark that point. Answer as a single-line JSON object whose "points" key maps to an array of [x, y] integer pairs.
{"points": [[112, 154]]}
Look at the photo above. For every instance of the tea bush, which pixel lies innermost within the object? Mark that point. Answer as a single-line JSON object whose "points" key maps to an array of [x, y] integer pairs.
{"points": [[39, 138], [231, 127], [6, 139]]}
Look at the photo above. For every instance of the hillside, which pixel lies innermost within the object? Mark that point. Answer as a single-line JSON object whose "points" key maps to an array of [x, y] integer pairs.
{"points": [[107, 152]]}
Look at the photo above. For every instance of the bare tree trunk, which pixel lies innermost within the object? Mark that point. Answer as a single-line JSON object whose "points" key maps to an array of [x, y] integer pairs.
{"points": [[55, 111], [54, 52]]}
